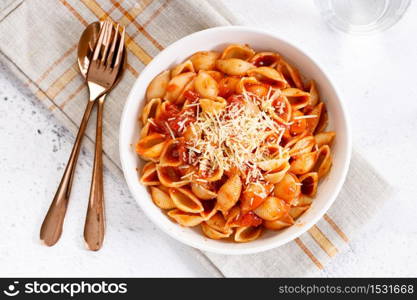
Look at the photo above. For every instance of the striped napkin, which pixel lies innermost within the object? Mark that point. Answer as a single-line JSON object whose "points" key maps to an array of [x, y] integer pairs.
{"points": [[38, 41]]}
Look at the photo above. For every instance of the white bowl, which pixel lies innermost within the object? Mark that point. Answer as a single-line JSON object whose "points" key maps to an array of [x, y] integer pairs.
{"points": [[216, 39]]}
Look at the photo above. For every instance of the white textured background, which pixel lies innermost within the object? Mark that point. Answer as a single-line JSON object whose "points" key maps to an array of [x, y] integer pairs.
{"points": [[377, 78]]}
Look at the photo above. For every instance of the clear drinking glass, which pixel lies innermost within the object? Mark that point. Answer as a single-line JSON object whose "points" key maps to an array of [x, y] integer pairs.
{"points": [[362, 16]]}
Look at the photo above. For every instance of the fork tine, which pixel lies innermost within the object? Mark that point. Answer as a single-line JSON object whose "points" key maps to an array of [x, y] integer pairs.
{"points": [[120, 48], [113, 47], [99, 41], [106, 41]]}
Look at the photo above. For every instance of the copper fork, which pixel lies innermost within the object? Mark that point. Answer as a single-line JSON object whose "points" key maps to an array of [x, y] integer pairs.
{"points": [[102, 74]]}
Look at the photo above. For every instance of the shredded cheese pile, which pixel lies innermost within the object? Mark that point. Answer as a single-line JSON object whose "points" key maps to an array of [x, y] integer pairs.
{"points": [[235, 136]]}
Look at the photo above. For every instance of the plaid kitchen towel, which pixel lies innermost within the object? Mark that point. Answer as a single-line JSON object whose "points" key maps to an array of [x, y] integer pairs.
{"points": [[38, 41]]}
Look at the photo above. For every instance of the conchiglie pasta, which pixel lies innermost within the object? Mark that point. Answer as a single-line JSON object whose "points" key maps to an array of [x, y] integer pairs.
{"points": [[309, 184], [298, 98], [272, 208], [325, 138], [269, 76], [303, 163], [171, 176], [212, 105], [184, 218], [203, 191], [283, 222], [234, 66], [177, 84], [150, 147], [235, 141], [204, 60], [291, 74], [229, 193], [265, 59], [149, 175], [296, 212], [237, 51], [185, 200], [247, 234], [288, 188], [158, 86], [150, 109], [215, 234], [161, 198], [205, 85], [324, 161], [185, 67]]}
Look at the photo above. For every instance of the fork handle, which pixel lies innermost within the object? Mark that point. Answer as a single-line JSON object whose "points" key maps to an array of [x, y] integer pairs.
{"points": [[51, 228], [95, 220]]}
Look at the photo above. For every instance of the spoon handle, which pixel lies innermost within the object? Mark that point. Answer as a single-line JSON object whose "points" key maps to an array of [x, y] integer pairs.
{"points": [[52, 224], [95, 220]]}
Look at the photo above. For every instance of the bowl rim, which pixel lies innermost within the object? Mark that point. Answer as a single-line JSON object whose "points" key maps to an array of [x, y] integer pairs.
{"points": [[124, 147]]}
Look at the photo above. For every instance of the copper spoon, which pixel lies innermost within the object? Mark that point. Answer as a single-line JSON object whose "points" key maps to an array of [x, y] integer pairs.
{"points": [[105, 71]]}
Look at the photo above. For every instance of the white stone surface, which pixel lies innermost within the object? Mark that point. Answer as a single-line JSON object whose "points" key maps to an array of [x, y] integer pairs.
{"points": [[376, 75]]}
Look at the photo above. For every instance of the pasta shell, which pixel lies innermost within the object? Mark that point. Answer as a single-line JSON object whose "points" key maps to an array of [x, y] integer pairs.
{"points": [[283, 110], [212, 105], [184, 218], [279, 224], [288, 188], [186, 66], [237, 51], [171, 176], [213, 175], [269, 76], [161, 198], [202, 191], [313, 122], [150, 147], [213, 233], [188, 87], [253, 196], [275, 176], [314, 94], [247, 234], [253, 86], [323, 121], [234, 66], [229, 193], [309, 183], [158, 85], [216, 75], [303, 200], [177, 84], [185, 200], [218, 222], [303, 163], [296, 212], [323, 162], [265, 59], [149, 175], [291, 74], [210, 209], [228, 86], [298, 98], [299, 124], [325, 138], [171, 153], [205, 85], [272, 164], [304, 145], [150, 109], [204, 60], [272, 208], [145, 130]]}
